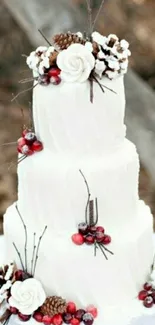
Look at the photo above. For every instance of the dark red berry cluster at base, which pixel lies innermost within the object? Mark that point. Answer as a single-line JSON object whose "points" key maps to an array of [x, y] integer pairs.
{"points": [[72, 316], [90, 234], [51, 76], [147, 295], [28, 144]]}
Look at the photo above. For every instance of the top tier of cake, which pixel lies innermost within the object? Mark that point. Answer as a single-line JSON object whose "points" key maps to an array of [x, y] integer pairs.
{"points": [[84, 128]]}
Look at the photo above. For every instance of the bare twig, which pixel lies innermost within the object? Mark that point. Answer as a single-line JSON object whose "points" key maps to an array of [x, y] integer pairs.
{"points": [[24, 91], [91, 90], [89, 9], [26, 80], [37, 251], [8, 143], [25, 229], [33, 253], [101, 248], [19, 255], [88, 191], [106, 249], [44, 37], [97, 15], [96, 206]]}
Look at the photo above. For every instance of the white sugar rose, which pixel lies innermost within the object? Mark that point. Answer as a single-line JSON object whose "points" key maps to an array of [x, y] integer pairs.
{"points": [[27, 296], [75, 63]]}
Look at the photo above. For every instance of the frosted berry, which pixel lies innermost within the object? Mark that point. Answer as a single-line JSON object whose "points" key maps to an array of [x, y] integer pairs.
{"points": [[89, 239], [20, 143], [71, 307], [92, 310], [99, 236], [100, 229], [55, 80], [25, 150], [88, 319], [106, 240], [148, 302], [153, 295], [147, 286], [142, 295], [30, 137], [44, 80], [79, 314], [47, 320], [78, 239], [19, 275], [24, 318], [83, 228], [37, 146], [38, 316], [54, 72], [13, 310], [67, 318], [57, 320], [74, 321], [92, 230]]}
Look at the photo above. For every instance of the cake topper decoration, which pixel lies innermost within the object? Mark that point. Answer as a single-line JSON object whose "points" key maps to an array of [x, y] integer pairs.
{"points": [[147, 294], [88, 231]]}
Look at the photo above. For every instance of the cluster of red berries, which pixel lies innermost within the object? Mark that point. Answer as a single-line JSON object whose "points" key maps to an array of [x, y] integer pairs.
{"points": [[90, 234], [73, 316], [52, 76], [28, 143], [147, 295]]}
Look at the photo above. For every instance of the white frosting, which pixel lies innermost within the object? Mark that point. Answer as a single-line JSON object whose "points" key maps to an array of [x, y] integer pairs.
{"points": [[46, 179], [76, 63], [27, 296], [75, 273], [67, 122]]}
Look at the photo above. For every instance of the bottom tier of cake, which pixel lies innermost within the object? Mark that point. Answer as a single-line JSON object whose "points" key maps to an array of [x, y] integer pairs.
{"points": [[76, 274]]}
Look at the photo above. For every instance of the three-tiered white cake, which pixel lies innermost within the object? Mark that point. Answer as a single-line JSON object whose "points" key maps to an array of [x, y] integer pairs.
{"points": [[78, 134]]}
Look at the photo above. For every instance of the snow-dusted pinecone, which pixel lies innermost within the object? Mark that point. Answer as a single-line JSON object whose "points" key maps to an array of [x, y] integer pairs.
{"points": [[53, 305], [64, 40]]}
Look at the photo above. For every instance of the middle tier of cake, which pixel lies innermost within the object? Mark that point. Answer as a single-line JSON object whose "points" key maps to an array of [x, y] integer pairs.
{"points": [[51, 189]]}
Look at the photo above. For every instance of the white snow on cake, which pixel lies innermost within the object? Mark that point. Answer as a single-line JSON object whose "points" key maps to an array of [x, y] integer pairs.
{"points": [[78, 114]]}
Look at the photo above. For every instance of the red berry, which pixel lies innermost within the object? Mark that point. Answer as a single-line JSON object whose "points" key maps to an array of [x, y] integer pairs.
{"points": [[57, 320], [19, 275], [79, 314], [21, 141], [25, 150], [30, 137], [83, 228], [92, 230], [67, 318], [54, 72], [38, 316], [13, 310], [92, 310], [47, 320], [55, 80], [24, 318], [142, 294], [78, 239], [99, 236], [71, 307], [74, 321], [37, 146], [147, 286], [148, 302], [100, 229], [106, 240], [88, 319], [89, 239]]}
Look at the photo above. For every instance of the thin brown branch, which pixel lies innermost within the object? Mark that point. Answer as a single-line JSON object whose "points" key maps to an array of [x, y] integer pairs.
{"points": [[97, 15], [19, 255], [89, 10], [25, 230], [37, 251], [88, 191], [23, 91], [44, 37]]}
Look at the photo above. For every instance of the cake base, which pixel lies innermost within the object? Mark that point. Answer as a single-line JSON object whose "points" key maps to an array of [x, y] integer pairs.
{"points": [[132, 313]]}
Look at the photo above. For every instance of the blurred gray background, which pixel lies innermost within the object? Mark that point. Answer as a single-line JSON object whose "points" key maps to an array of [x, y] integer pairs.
{"points": [[19, 24]]}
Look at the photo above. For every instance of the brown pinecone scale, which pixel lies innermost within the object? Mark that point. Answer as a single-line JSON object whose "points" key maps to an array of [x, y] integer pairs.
{"points": [[53, 305], [64, 40]]}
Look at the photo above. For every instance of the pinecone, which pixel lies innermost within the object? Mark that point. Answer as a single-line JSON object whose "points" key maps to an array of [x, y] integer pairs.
{"points": [[53, 57], [53, 305], [63, 41]]}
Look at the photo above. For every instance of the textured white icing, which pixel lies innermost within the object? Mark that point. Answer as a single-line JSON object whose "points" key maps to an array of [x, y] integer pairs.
{"points": [[76, 274], [67, 122], [51, 188]]}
